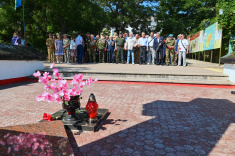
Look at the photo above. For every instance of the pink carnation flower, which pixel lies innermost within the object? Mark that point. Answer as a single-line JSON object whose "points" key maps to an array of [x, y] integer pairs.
{"points": [[52, 65], [37, 74]]}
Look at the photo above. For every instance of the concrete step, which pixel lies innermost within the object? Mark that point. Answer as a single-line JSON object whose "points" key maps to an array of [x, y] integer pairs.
{"points": [[219, 79]]}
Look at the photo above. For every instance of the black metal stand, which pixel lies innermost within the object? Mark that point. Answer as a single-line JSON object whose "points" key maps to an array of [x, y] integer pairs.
{"points": [[83, 122]]}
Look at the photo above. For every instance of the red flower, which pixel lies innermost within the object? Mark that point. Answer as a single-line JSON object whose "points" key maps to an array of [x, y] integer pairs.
{"points": [[47, 117]]}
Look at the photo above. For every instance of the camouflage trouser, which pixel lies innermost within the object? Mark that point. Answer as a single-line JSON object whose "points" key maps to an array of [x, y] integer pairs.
{"points": [[101, 55], [66, 55], [119, 51], [171, 53], [176, 57], [51, 55], [92, 57]]}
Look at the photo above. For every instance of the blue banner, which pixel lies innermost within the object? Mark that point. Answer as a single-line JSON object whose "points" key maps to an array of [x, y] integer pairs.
{"points": [[17, 3]]}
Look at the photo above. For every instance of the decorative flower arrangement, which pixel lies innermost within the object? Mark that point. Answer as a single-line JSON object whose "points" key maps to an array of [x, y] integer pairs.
{"points": [[59, 90]]}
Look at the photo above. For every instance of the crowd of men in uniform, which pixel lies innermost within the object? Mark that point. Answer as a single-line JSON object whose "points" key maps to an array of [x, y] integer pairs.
{"points": [[120, 48]]}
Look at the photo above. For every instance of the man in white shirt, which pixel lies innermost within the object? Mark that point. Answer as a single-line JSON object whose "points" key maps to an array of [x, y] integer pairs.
{"points": [[151, 53], [130, 43], [79, 42], [182, 50]]}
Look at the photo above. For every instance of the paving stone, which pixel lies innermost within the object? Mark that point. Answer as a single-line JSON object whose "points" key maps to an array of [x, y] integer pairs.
{"points": [[139, 153], [117, 151], [169, 149], [181, 154], [159, 145], [170, 154], [96, 147], [128, 150], [149, 147], [141, 143], [93, 153], [150, 152], [179, 148], [200, 151], [105, 152], [188, 147]]}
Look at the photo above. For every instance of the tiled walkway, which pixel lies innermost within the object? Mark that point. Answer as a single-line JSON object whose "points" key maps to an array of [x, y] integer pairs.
{"points": [[144, 120]]}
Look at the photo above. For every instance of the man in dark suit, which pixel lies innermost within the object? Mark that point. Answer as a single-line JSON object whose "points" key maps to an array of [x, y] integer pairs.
{"points": [[158, 48]]}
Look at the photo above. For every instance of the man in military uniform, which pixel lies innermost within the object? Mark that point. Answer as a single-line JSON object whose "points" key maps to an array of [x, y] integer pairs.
{"points": [[170, 47], [102, 45], [51, 48], [91, 49], [86, 53], [119, 45]]}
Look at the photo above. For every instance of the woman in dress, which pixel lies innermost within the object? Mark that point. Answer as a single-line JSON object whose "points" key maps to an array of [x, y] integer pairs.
{"points": [[73, 49], [58, 49]]}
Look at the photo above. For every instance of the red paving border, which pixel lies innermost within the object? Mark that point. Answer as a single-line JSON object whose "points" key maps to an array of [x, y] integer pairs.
{"points": [[161, 83], [13, 80]]}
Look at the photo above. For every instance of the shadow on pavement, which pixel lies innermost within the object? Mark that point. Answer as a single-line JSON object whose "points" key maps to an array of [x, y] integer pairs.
{"points": [[17, 84], [179, 128]]}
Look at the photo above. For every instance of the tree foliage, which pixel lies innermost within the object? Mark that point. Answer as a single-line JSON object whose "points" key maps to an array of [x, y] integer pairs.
{"points": [[61, 16], [123, 13], [183, 16]]}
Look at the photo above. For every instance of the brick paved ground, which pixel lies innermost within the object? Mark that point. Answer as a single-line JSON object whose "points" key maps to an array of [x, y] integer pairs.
{"points": [[144, 120]]}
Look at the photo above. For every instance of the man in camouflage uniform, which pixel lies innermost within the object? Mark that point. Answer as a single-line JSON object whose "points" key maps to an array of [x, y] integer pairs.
{"points": [[51, 48], [102, 45], [91, 49], [119, 45], [66, 46], [170, 47]]}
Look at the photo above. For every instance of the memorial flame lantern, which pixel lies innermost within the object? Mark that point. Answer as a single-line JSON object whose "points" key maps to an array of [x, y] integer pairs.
{"points": [[92, 108]]}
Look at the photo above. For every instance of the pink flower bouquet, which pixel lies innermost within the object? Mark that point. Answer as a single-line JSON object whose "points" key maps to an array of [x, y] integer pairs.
{"points": [[59, 90]]}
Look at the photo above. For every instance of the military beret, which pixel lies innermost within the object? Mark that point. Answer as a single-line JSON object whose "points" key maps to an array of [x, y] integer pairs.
{"points": [[120, 32], [57, 34], [171, 35], [87, 33], [53, 34]]}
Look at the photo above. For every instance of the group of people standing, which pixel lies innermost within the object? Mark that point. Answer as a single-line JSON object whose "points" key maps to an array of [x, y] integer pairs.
{"points": [[17, 40], [147, 49]]}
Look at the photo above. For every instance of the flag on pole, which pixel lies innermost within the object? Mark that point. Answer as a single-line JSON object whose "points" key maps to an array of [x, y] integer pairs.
{"points": [[17, 3]]}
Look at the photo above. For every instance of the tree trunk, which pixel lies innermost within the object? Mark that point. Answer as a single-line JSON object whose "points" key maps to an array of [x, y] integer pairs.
{"points": [[64, 27]]}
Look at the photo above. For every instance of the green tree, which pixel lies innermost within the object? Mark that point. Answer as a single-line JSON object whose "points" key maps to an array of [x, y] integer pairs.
{"points": [[226, 20], [123, 13], [183, 16], [61, 16]]}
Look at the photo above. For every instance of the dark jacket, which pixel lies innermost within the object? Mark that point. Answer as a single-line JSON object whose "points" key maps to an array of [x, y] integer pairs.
{"points": [[156, 43]]}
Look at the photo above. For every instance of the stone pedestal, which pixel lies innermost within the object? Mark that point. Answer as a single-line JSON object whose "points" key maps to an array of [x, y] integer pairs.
{"points": [[229, 66], [45, 138]]}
